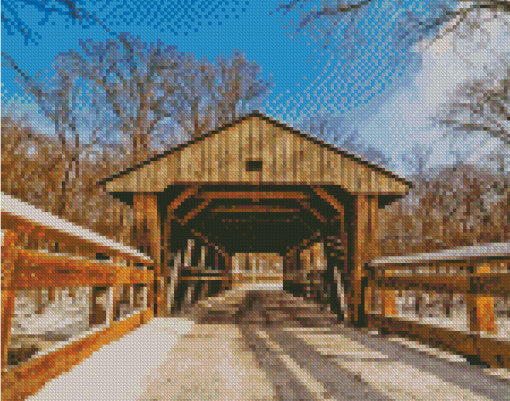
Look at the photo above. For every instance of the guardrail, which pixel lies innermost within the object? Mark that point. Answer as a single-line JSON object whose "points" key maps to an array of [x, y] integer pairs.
{"points": [[118, 294], [476, 275]]}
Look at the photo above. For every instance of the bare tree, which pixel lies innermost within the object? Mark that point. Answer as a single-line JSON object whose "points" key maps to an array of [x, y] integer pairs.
{"points": [[417, 160], [156, 13], [59, 98], [480, 105], [32, 169], [214, 94], [446, 11]]}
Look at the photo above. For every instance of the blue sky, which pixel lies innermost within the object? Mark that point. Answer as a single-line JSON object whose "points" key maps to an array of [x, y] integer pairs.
{"points": [[379, 90]]}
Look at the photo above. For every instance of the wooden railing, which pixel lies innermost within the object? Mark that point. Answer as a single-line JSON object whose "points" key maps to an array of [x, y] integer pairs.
{"points": [[476, 275], [119, 291]]}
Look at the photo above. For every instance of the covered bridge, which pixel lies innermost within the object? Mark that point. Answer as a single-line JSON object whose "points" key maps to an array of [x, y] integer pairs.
{"points": [[257, 186]]}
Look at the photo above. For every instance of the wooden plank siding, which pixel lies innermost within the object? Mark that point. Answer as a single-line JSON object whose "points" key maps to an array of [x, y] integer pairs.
{"points": [[41, 270], [289, 157]]}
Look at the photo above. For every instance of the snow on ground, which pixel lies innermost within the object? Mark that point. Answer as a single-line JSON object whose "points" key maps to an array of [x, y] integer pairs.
{"points": [[121, 369]]}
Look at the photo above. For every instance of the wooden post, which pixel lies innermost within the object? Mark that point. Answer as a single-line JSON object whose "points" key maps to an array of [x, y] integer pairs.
{"points": [[51, 294], [98, 312], [227, 282], [388, 306], [163, 310], [174, 278], [357, 227], [204, 290], [137, 295], [332, 279], [145, 207], [114, 307], [372, 252], [204, 250], [190, 294], [9, 255], [39, 305], [480, 308], [305, 273]]}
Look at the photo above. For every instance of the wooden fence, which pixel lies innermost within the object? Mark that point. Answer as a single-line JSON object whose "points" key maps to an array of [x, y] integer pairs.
{"points": [[124, 278], [478, 274]]}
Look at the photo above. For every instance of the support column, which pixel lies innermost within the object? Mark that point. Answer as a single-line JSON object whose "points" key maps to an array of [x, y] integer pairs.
{"points": [[227, 283], [147, 221], [305, 255], [174, 278], [361, 237], [372, 252], [166, 264], [9, 255]]}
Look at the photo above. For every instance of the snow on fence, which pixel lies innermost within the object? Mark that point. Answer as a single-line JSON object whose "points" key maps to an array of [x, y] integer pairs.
{"points": [[456, 300], [66, 291]]}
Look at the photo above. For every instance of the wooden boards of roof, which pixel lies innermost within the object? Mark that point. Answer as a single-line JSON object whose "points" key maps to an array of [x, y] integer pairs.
{"points": [[258, 150]]}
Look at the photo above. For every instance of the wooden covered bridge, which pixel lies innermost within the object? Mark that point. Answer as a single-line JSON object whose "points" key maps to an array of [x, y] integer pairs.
{"points": [[257, 186], [252, 205]]}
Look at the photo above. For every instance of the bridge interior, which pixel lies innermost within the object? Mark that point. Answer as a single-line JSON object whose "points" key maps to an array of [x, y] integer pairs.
{"points": [[288, 235]]}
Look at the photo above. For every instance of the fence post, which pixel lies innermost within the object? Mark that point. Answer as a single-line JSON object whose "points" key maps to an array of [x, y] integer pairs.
{"points": [[98, 312], [480, 308], [388, 297], [114, 307]]}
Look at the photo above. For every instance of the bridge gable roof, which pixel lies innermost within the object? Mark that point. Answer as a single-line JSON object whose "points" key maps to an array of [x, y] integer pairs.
{"points": [[256, 149]]}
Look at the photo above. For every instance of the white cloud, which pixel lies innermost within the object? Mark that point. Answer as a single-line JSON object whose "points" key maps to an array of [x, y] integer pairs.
{"points": [[446, 62]]}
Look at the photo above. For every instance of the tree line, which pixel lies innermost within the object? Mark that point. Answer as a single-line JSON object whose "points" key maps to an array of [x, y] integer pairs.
{"points": [[117, 102]]}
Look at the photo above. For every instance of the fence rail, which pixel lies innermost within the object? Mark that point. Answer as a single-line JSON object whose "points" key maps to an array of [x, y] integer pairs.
{"points": [[124, 282], [478, 274]]}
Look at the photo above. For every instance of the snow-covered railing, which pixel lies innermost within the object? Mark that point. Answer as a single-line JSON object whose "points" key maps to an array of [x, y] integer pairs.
{"points": [[475, 275], [58, 308]]}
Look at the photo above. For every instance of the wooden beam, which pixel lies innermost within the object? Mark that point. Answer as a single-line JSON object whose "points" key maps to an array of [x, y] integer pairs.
{"points": [[254, 209], [316, 213], [35, 269], [97, 278], [174, 281], [199, 271], [323, 194], [21, 224], [201, 278], [187, 193], [204, 238], [306, 242], [166, 268], [192, 214], [356, 228], [255, 195], [227, 272], [372, 252], [495, 352], [436, 284], [145, 208]]}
